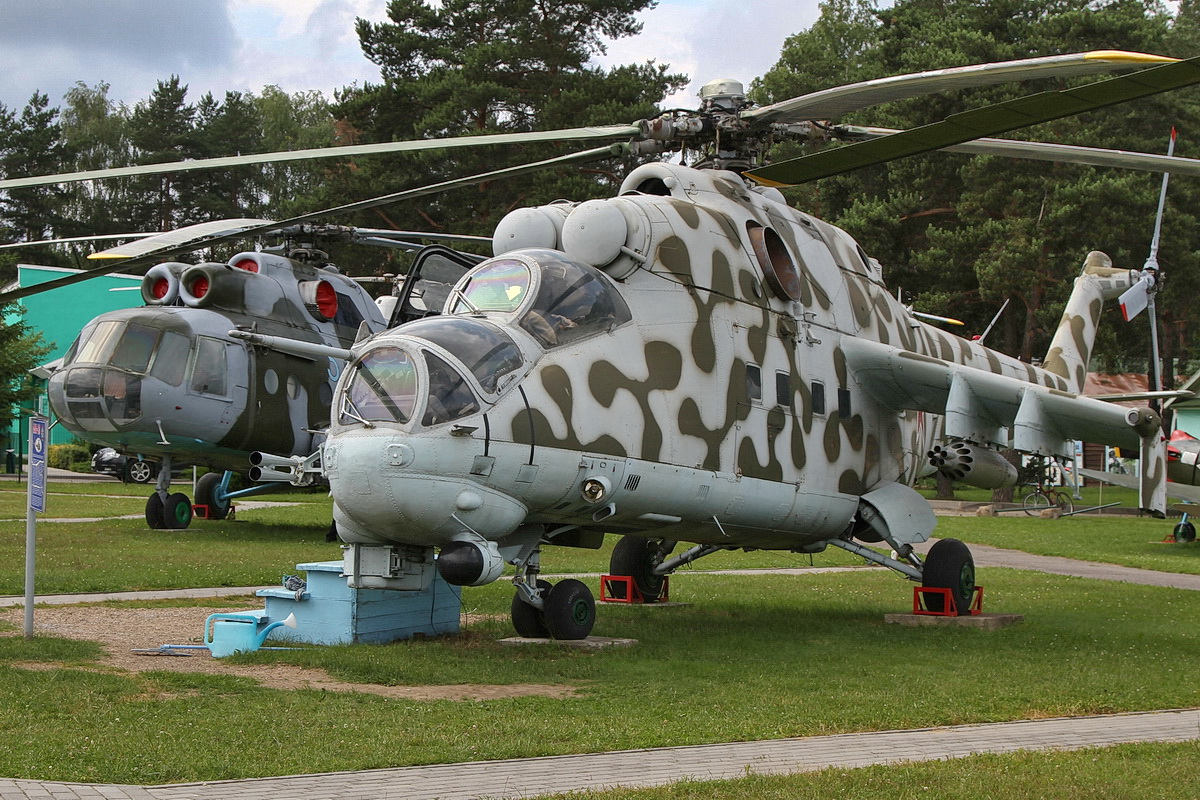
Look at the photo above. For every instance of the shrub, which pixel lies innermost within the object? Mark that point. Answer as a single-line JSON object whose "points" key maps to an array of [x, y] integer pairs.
{"points": [[62, 456]]}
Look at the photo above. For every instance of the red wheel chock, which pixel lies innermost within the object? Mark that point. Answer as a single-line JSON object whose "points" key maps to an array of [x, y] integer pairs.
{"points": [[631, 594], [200, 511], [949, 609]]}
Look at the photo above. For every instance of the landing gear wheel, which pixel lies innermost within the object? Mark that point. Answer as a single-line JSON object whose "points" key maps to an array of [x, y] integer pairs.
{"points": [[139, 472], [637, 557], [949, 565], [208, 493], [154, 512], [177, 511], [570, 610], [529, 621], [1185, 532]]}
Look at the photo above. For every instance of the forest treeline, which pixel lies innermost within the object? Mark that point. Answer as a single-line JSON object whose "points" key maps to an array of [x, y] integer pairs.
{"points": [[956, 235]]}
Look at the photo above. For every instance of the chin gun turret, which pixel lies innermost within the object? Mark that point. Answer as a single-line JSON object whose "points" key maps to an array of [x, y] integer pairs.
{"points": [[973, 464]]}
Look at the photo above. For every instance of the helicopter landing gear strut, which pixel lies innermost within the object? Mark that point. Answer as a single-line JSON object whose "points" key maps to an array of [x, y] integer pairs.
{"points": [[164, 509], [565, 610]]}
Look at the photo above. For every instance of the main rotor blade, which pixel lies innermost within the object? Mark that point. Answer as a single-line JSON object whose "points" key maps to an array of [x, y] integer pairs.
{"points": [[832, 103], [180, 236], [70, 239], [980, 122], [567, 134], [167, 252], [1048, 151]]}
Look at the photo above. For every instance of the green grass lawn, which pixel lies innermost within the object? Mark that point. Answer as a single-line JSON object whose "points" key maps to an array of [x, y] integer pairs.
{"points": [[751, 657], [1129, 541]]}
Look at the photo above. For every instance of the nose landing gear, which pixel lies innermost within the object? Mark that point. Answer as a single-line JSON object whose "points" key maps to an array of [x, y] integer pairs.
{"points": [[565, 610]]}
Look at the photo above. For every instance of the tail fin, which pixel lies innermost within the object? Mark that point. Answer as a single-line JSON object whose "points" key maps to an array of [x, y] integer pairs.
{"points": [[1071, 348]]}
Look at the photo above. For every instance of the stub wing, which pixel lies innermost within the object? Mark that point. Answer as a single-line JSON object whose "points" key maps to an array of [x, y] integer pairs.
{"points": [[990, 409]]}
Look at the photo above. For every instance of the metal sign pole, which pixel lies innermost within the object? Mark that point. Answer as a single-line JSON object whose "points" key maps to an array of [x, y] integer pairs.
{"points": [[36, 489]]}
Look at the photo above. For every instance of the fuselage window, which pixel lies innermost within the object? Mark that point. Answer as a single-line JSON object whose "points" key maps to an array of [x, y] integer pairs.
{"points": [[818, 397], [783, 389], [210, 370], [754, 382], [844, 403], [449, 396]]}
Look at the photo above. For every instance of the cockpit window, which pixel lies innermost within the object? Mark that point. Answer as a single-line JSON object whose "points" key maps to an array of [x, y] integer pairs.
{"points": [[98, 342], [449, 396], [171, 360], [135, 348], [209, 370], [484, 349], [499, 286], [384, 388], [573, 301]]}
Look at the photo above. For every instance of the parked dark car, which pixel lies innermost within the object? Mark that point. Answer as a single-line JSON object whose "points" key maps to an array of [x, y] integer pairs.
{"points": [[108, 461]]}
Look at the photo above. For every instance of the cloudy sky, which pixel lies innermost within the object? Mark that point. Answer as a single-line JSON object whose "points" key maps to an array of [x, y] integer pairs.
{"points": [[221, 45]]}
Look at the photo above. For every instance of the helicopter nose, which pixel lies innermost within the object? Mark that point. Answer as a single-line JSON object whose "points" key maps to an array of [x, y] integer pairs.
{"points": [[391, 490]]}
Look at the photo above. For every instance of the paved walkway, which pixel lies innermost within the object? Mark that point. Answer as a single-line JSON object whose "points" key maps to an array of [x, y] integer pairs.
{"points": [[533, 777]]}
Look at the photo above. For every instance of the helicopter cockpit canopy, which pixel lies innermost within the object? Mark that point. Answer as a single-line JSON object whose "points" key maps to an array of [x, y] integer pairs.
{"points": [[397, 382], [553, 298]]}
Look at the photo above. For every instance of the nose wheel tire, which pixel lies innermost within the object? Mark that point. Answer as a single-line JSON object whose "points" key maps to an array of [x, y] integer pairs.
{"points": [[636, 557], [949, 565], [208, 493], [177, 511], [154, 512], [570, 610], [528, 620]]}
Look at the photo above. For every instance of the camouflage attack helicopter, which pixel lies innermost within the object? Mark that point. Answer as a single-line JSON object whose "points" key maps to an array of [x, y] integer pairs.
{"points": [[693, 360]]}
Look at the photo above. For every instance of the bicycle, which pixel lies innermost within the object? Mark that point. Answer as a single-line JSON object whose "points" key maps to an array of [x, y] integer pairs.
{"points": [[1043, 496]]}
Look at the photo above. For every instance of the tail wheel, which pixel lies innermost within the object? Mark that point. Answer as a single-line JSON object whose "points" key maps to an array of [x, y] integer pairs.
{"points": [[529, 620], [177, 511], [570, 610], [637, 558], [154, 512], [949, 565], [208, 493]]}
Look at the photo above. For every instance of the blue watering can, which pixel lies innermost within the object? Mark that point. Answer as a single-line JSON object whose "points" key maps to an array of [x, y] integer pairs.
{"points": [[226, 634]]}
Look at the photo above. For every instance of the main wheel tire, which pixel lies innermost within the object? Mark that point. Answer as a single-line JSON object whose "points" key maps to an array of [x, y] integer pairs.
{"points": [[528, 620], [636, 557], [570, 610], [139, 471], [208, 493], [154, 512], [177, 511], [949, 565], [1185, 532]]}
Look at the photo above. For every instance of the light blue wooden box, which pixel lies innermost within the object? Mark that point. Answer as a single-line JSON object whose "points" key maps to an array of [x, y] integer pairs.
{"points": [[330, 612]]}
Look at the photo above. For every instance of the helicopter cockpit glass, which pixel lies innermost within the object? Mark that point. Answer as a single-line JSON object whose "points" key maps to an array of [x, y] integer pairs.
{"points": [[573, 301], [558, 301], [449, 396], [500, 285], [383, 388], [484, 349]]}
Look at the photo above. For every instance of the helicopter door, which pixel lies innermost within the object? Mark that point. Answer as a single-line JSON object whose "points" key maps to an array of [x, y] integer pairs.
{"points": [[433, 274], [763, 414]]}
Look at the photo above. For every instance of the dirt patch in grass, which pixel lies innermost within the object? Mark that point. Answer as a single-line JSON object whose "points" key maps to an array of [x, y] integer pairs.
{"points": [[123, 630]]}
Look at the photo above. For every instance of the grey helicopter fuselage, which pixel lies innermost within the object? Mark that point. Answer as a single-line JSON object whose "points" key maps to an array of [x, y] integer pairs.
{"points": [[166, 380], [692, 360]]}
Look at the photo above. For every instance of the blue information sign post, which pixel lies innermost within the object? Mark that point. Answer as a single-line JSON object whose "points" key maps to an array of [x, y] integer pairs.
{"points": [[37, 502]]}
